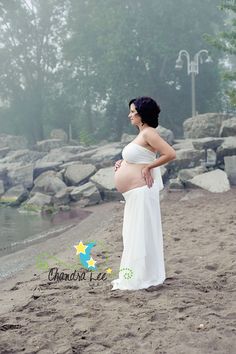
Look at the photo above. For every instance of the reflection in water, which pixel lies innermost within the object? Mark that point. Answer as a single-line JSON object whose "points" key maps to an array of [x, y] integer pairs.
{"points": [[17, 229]]}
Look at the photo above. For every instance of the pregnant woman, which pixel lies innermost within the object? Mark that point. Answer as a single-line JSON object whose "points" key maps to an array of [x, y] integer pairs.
{"points": [[139, 179]]}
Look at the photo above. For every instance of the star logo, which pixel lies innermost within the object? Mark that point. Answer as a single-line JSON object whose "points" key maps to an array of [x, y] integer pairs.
{"points": [[80, 248]]}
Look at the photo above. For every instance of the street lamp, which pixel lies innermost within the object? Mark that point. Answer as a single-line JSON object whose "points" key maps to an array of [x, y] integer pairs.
{"points": [[193, 69]]}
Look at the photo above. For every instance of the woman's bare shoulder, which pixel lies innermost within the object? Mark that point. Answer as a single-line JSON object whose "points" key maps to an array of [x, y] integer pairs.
{"points": [[149, 131]]}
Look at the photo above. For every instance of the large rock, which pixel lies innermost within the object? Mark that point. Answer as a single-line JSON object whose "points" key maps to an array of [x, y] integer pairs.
{"points": [[37, 202], [207, 143], [186, 158], [87, 194], [21, 175], [63, 196], [22, 156], [204, 125], [188, 173], [228, 127], [227, 148], [77, 174], [73, 149], [41, 167], [181, 144], [49, 144], [166, 134], [48, 183], [13, 142], [214, 181], [105, 154], [104, 178], [15, 195], [56, 155], [64, 154], [230, 168], [4, 170]]}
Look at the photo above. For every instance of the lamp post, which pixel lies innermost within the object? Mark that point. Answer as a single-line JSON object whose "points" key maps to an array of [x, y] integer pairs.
{"points": [[193, 69]]}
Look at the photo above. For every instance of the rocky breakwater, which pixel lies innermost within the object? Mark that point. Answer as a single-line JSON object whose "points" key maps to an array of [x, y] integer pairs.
{"points": [[55, 175], [206, 157]]}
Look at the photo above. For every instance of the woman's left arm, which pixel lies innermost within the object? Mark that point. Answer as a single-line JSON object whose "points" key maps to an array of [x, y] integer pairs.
{"points": [[167, 153]]}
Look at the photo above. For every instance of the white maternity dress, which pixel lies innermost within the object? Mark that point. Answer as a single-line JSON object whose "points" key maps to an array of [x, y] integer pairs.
{"points": [[142, 262]]}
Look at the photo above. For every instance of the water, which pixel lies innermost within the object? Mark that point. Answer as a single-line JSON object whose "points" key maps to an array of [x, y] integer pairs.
{"points": [[18, 230]]}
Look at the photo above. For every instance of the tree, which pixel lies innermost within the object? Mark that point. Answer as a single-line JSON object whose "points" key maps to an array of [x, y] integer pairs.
{"points": [[30, 37], [226, 41], [131, 50]]}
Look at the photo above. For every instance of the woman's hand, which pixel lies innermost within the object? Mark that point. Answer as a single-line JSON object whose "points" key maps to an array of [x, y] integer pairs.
{"points": [[117, 164], [146, 174]]}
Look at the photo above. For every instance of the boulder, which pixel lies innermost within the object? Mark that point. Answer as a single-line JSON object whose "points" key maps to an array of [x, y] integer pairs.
{"points": [[166, 134], [49, 144], [20, 175], [37, 202], [105, 154], [87, 194], [22, 156], [74, 149], [228, 127], [204, 125], [215, 181], [41, 167], [56, 155], [15, 195], [77, 174], [181, 144], [230, 168], [63, 196], [227, 148], [188, 173], [13, 142], [104, 178], [207, 143], [48, 183], [185, 158]]}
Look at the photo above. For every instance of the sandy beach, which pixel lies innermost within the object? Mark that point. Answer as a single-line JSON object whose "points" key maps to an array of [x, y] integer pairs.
{"points": [[194, 312]]}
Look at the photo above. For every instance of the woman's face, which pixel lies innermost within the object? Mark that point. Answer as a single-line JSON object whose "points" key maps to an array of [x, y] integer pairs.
{"points": [[133, 114]]}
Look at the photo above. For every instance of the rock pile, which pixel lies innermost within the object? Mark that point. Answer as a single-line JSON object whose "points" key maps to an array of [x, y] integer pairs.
{"points": [[55, 174]]}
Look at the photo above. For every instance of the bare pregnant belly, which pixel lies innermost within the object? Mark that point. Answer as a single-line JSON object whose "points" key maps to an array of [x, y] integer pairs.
{"points": [[128, 176]]}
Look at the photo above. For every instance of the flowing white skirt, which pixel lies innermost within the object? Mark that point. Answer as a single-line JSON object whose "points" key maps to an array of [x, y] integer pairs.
{"points": [[142, 261]]}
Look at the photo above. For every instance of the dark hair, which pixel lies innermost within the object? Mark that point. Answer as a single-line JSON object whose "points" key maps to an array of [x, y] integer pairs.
{"points": [[148, 110]]}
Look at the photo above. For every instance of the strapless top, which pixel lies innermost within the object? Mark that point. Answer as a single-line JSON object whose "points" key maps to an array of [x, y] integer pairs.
{"points": [[135, 153]]}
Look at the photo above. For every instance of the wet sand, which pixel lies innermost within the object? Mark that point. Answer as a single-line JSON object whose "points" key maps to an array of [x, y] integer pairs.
{"points": [[193, 312]]}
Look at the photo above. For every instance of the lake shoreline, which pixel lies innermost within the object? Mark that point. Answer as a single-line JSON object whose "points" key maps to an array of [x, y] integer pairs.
{"points": [[53, 240], [195, 307]]}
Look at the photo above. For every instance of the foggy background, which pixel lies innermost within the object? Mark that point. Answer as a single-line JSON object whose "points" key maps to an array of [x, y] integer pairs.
{"points": [[78, 63]]}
